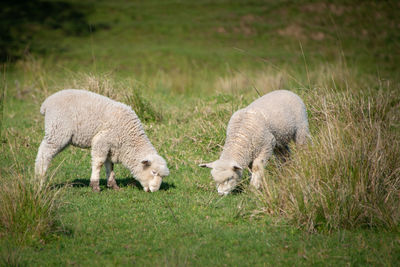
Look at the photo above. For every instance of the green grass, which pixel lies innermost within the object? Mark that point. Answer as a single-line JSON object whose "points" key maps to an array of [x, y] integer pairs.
{"points": [[185, 67]]}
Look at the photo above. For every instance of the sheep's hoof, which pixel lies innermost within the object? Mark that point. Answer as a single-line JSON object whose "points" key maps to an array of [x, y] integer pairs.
{"points": [[255, 184], [113, 185], [95, 187]]}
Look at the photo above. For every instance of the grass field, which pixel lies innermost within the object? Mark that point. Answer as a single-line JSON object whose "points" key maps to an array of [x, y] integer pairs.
{"points": [[185, 67]]}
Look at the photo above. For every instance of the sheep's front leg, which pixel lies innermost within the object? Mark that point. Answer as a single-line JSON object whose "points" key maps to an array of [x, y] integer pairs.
{"points": [[257, 172], [261, 160], [97, 163], [111, 183], [258, 168], [99, 156]]}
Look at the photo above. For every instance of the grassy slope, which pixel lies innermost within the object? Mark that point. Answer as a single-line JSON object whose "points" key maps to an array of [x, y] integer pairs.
{"points": [[176, 58]]}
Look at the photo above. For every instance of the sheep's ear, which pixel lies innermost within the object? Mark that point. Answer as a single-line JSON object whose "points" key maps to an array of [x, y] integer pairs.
{"points": [[146, 162], [208, 165], [237, 168]]}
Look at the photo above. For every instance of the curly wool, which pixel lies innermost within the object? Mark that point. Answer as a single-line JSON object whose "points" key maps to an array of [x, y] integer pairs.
{"points": [[86, 119], [269, 122], [254, 133]]}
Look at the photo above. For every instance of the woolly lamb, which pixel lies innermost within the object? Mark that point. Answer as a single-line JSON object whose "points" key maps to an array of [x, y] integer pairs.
{"points": [[110, 128], [254, 133]]}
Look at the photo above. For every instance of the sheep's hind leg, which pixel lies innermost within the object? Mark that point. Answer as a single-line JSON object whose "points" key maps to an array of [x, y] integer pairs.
{"points": [[111, 183], [99, 156], [47, 151]]}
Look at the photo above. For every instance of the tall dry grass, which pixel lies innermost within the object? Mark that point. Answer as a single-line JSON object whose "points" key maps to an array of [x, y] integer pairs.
{"points": [[350, 176]]}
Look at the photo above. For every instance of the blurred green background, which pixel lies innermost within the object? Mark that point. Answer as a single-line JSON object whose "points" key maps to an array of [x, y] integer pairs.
{"points": [[201, 39]]}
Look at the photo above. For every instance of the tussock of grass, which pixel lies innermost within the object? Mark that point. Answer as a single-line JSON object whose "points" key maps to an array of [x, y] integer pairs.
{"points": [[100, 84], [350, 176], [143, 108], [28, 211]]}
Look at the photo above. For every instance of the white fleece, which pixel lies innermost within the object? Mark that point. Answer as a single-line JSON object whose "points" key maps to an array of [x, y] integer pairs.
{"points": [[255, 132], [112, 130]]}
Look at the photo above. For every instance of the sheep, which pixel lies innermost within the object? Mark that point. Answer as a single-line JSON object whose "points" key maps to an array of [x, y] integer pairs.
{"points": [[265, 126], [112, 130]]}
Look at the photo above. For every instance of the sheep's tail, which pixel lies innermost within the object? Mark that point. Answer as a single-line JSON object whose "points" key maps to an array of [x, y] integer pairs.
{"points": [[303, 135], [43, 108]]}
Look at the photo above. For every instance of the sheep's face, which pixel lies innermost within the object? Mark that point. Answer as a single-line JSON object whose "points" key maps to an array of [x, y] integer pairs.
{"points": [[226, 175], [154, 169]]}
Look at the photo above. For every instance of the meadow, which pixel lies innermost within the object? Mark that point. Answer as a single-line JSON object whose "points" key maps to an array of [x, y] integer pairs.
{"points": [[185, 67]]}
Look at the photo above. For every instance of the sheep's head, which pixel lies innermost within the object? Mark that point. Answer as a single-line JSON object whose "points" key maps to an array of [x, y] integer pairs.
{"points": [[226, 175], [154, 169]]}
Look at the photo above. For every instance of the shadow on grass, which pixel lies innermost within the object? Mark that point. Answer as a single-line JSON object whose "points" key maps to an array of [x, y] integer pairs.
{"points": [[123, 182], [241, 187]]}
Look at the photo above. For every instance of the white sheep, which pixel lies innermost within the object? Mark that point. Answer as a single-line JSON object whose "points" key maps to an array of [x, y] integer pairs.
{"points": [[112, 130], [254, 133]]}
